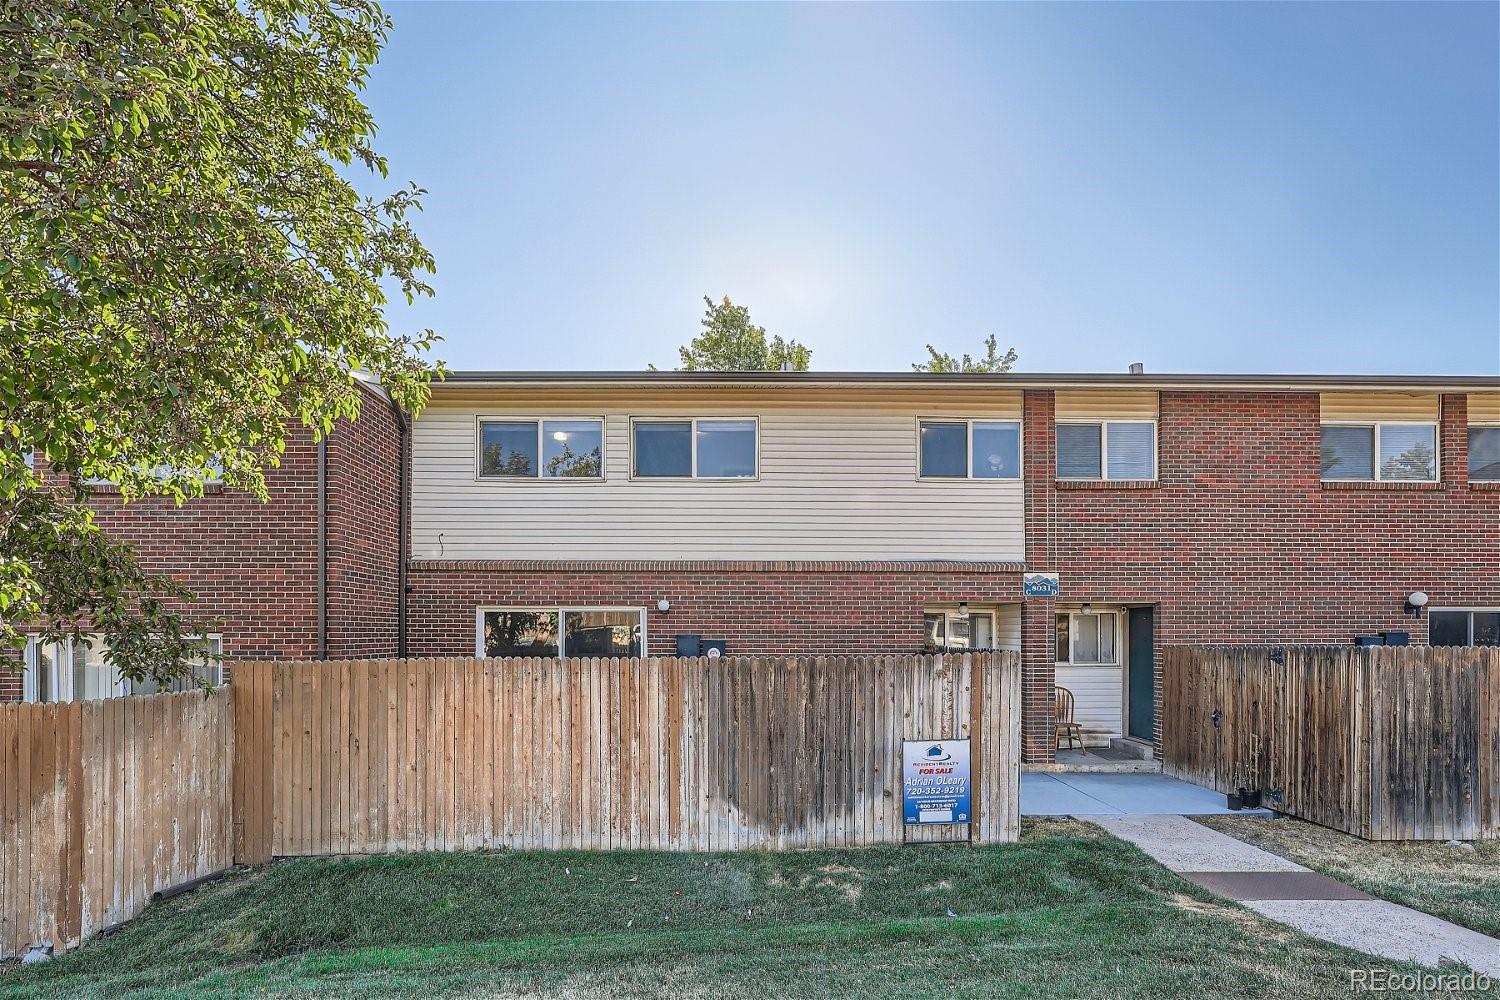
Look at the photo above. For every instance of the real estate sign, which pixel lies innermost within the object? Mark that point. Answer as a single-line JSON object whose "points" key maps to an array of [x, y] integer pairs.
{"points": [[935, 781]]}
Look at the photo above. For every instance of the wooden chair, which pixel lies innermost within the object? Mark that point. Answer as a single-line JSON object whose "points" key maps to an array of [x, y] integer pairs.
{"points": [[1065, 726]]}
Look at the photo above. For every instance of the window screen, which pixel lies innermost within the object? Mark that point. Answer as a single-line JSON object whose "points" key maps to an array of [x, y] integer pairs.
{"points": [[1132, 450], [726, 449], [664, 448], [1079, 451], [1408, 451], [1348, 452], [1484, 454], [944, 446]]}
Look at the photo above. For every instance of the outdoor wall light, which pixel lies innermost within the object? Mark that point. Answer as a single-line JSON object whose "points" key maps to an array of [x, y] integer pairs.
{"points": [[1415, 602], [963, 609], [1087, 608], [663, 605]]}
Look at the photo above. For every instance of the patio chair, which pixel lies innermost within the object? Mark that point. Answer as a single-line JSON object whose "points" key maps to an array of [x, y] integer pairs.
{"points": [[1065, 726]]}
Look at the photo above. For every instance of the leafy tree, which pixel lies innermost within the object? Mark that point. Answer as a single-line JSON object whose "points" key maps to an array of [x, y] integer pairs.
{"points": [[993, 360], [731, 343], [570, 463], [186, 278], [1417, 462]]}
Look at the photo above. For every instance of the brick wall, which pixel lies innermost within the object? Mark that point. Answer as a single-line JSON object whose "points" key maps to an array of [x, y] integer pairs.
{"points": [[757, 608], [254, 566], [1239, 541], [364, 552]]}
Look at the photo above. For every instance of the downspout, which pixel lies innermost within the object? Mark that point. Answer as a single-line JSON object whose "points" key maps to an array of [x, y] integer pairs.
{"points": [[403, 430], [323, 549]]}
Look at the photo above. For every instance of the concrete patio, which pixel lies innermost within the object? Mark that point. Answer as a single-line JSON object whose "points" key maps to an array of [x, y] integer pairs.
{"points": [[1055, 793]]}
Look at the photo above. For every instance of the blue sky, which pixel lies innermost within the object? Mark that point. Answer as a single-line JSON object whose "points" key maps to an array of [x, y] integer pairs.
{"points": [[1248, 187]]}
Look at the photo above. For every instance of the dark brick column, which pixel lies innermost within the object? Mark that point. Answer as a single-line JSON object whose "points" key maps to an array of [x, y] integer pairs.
{"points": [[1453, 440], [1038, 655]]}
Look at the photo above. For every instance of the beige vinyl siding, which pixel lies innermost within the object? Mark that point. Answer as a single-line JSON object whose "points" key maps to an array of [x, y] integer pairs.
{"points": [[1105, 404], [1341, 407], [1098, 697], [838, 480], [1484, 407]]}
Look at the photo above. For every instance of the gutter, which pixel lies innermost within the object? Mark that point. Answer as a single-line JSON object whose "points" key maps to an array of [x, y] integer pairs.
{"points": [[403, 433], [323, 549], [1008, 380]]}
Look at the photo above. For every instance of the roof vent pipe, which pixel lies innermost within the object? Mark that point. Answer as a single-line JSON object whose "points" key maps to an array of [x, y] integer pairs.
{"points": [[1136, 368]]}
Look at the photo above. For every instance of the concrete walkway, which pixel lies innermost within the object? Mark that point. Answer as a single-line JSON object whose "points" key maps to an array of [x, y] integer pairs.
{"points": [[1291, 894], [1053, 793]]}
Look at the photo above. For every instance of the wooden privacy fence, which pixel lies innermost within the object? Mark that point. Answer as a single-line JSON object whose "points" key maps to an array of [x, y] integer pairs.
{"points": [[1387, 743], [681, 754], [103, 803]]}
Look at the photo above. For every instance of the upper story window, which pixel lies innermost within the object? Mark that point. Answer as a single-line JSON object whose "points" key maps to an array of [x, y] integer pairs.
{"points": [[1106, 449], [699, 448], [1484, 437], [1379, 452], [970, 449], [1484, 453], [563, 448]]}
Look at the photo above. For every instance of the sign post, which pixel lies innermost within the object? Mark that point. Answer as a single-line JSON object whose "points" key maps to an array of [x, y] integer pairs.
{"points": [[935, 786]]}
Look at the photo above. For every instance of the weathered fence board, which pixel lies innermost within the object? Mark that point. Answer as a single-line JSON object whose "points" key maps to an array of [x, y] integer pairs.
{"points": [[681, 754], [104, 803], [1388, 743]]}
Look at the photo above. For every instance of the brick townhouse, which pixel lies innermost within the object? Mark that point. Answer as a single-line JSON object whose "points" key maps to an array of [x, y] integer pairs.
{"points": [[627, 513]]}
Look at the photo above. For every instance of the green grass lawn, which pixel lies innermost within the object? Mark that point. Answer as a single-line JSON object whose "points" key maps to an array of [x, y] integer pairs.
{"points": [[1068, 912], [1457, 883]]}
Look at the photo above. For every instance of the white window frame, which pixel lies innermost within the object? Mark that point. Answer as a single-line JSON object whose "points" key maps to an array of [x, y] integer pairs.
{"points": [[1437, 449], [693, 453], [215, 477], [1113, 614], [1103, 424], [1482, 425], [561, 611], [541, 423], [62, 679], [1469, 638], [969, 423], [950, 614]]}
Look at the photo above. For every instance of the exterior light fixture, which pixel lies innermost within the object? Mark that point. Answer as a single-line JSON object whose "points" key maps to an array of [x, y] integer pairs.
{"points": [[1087, 608], [663, 605], [1415, 602], [963, 609]]}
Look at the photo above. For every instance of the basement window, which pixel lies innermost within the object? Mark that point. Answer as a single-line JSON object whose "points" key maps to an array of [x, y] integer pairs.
{"points": [[1464, 627], [560, 632], [81, 671]]}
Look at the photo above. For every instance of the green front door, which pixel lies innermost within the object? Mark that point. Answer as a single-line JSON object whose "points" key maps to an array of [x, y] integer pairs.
{"points": [[1142, 671]]}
